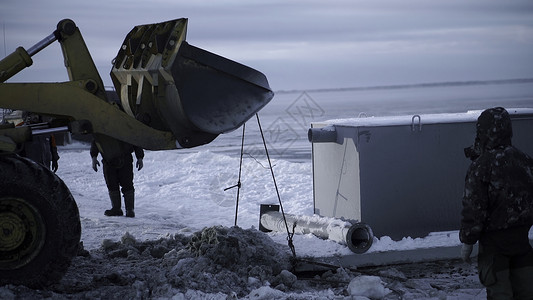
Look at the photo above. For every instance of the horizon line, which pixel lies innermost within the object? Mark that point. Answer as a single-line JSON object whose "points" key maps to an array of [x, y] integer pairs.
{"points": [[413, 85]]}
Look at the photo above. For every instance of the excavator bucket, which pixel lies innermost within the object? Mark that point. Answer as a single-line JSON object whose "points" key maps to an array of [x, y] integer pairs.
{"points": [[171, 85]]}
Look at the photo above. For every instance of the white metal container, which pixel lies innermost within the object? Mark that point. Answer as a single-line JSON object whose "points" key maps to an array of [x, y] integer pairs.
{"points": [[402, 175]]}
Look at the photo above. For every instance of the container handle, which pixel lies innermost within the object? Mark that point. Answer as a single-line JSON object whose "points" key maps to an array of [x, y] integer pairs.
{"points": [[419, 123]]}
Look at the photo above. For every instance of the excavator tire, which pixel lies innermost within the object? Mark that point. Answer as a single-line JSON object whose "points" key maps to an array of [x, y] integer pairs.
{"points": [[39, 224]]}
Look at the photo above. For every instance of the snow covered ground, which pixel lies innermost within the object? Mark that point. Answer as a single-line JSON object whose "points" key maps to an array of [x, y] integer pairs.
{"points": [[185, 192]]}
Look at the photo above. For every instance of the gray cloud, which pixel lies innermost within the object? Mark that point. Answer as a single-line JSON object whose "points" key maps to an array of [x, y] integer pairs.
{"points": [[303, 44]]}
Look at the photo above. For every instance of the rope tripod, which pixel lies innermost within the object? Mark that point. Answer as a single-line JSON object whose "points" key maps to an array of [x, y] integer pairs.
{"points": [[238, 185]]}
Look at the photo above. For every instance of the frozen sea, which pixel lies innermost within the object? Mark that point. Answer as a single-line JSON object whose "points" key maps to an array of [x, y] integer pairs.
{"points": [[286, 119]]}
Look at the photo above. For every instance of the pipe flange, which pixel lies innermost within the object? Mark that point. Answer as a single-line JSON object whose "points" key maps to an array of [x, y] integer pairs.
{"points": [[359, 238]]}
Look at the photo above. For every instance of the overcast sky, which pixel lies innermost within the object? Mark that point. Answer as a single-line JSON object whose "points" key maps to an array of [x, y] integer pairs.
{"points": [[300, 44]]}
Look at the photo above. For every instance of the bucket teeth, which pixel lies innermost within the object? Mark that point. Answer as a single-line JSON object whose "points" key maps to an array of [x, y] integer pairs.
{"points": [[180, 88]]}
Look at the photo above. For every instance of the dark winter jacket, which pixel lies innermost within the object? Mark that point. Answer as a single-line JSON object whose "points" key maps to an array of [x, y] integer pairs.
{"points": [[118, 162], [498, 195], [41, 149]]}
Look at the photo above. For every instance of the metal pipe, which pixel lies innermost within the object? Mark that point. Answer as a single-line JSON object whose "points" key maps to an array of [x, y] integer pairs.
{"points": [[326, 134], [358, 237], [42, 44], [49, 130], [21, 59], [35, 126]]}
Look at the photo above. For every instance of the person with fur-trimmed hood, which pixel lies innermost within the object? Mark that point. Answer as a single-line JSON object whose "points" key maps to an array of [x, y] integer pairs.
{"points": [[498, 209]]}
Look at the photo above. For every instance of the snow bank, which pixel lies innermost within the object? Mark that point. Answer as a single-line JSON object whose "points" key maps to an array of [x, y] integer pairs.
{"points": [[469, 116]]}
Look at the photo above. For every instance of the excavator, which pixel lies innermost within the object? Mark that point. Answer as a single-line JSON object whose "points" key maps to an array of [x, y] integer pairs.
{"points": [[171, 95]]}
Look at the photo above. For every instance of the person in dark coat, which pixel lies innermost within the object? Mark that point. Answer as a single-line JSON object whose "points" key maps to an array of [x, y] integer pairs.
{"points": [[118, 173], [498, 209], [41, 149]]}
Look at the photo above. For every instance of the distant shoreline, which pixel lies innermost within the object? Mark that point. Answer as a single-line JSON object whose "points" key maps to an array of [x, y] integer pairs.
{"points": [[415, 85]]}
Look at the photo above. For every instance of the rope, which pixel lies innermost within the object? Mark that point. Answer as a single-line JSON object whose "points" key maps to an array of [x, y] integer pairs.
{"points": [[257, 161], [238, 185], [289, 234]]}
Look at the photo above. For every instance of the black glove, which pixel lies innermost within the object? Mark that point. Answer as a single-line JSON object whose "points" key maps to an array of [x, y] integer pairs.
{"points": [[95, 164]]}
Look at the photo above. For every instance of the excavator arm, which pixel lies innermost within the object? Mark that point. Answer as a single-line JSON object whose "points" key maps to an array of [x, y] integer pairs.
{"points": [[88, 113], [172, 94]]}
